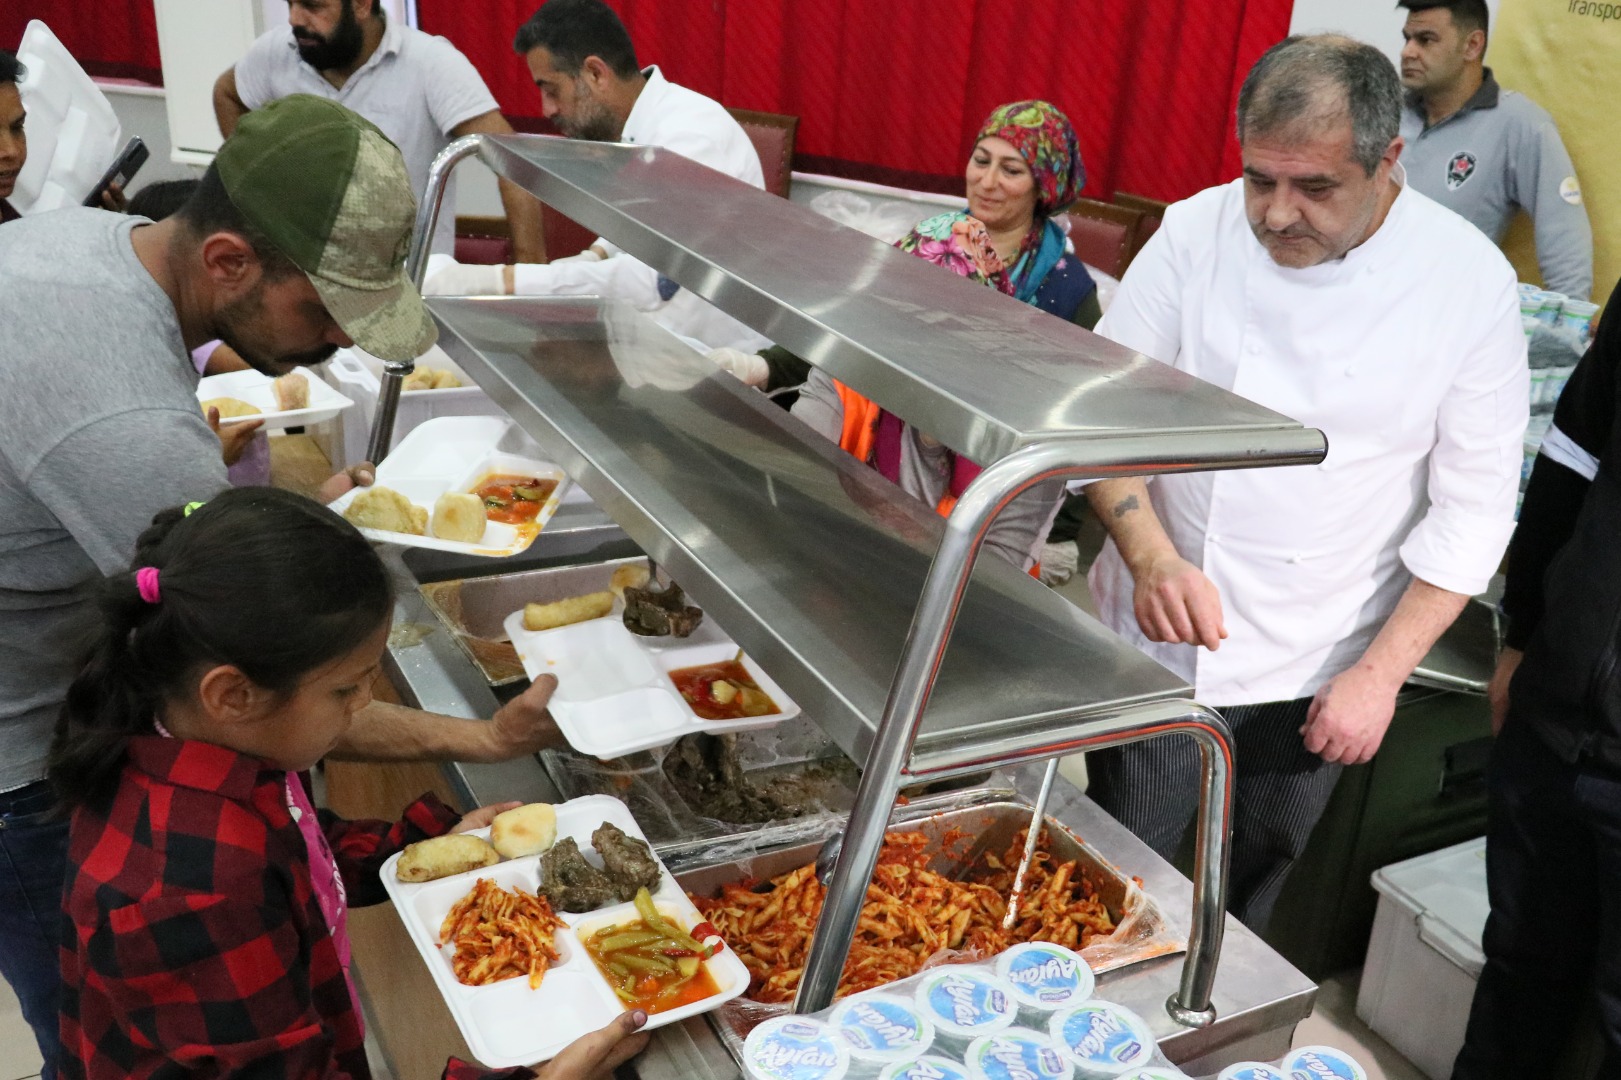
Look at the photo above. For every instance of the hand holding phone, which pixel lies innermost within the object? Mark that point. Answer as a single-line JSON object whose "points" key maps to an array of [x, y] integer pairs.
{"points": [[123, 170]]}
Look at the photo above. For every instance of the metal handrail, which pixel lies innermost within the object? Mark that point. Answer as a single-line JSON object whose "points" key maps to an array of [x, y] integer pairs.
{"points": [[889, 758], [416, 268]]}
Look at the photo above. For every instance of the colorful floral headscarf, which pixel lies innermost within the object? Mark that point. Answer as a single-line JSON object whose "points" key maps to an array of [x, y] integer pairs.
{"points": [[1046, 140], [958, 243]]}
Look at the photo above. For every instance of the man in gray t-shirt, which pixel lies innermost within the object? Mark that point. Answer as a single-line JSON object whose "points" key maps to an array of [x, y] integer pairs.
{"points": [[1484, 152]]}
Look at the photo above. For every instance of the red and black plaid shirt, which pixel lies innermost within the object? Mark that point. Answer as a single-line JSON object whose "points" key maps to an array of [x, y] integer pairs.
{"points": [[194, 944]]}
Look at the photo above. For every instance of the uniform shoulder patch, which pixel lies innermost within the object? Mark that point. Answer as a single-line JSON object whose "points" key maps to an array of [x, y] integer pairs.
{"points": [[1570, 191]]}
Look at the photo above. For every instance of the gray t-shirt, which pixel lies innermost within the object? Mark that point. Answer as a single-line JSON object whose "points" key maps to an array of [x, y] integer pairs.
{"points": [[1497, 155], [99, 430], [416, 88]]}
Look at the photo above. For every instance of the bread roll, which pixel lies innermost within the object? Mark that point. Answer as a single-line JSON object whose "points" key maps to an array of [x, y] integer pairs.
{"points": [[455, 853], [387, 510], [445, 379], [292, 392], [459, 516], [527, 830], [628, 577], [230, 408], [568, 611]]}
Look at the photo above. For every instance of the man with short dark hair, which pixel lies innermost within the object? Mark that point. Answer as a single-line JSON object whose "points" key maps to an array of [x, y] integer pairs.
{"points": [[581, 58], [1486, 152], [13, 138], [419, 89], [1298, 601]]}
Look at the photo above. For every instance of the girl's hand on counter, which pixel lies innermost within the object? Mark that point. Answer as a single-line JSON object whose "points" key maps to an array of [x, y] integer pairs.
{"points": [[481, 817]]}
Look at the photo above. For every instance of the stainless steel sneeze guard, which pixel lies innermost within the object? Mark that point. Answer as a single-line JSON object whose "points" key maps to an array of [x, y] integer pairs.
{"points": [[813, 562]]}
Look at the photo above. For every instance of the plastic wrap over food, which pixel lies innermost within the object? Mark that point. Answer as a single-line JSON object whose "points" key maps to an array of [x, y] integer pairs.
{"points": [[881, 219]]}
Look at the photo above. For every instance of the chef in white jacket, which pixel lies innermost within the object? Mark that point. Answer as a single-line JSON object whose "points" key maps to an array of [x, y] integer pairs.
{"points": [[583, 61], [1297, 601]]}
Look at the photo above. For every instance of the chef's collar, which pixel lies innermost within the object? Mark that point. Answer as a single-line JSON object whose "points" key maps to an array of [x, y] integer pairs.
{"points": [[642, 113]]}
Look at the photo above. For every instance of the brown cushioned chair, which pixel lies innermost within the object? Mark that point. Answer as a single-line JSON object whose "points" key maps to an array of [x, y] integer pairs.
{"points": [[483, 241], [1104, 234], [773, 137], [1153, 211]]}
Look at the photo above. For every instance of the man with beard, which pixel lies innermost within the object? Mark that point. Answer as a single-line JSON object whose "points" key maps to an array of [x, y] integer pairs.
{"points": [[292, 246], [1487, 152], [417, 88], [591, 87], [1299, 600]]}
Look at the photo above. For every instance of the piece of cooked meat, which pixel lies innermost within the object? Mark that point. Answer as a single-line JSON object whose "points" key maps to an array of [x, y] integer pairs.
{"points": [[654, 612], [571, 883], [629, 861]]}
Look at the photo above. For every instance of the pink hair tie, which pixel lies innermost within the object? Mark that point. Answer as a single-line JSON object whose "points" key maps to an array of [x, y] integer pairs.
{"points": [[146, 583]]}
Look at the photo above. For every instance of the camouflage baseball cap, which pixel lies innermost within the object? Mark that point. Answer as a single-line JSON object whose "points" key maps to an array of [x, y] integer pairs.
{"points": [[332, 194]]}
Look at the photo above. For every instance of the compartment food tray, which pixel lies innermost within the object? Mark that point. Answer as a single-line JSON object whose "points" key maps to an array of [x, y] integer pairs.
{"points": [[454, 453], [507, 1023], [255, 389]]}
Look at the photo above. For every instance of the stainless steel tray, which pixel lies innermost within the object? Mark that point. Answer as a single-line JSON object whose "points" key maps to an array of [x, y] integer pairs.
{"points": [[960, 836], [473, 609]]}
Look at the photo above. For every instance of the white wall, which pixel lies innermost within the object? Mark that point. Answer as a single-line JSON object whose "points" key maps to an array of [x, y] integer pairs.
{"points": [[1377, 22]]}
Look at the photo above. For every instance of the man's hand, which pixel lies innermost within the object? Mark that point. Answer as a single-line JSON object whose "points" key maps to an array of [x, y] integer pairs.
{"points": [[1176, 603], [750, 368], [1497, 690], [601, 1052], [1350, 714], [114, 198], [234, 438], [523, 726], [354, 476], [481, 817]]}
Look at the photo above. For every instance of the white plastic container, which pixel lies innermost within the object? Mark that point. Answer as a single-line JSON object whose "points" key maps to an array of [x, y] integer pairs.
{"points": [[964, 1003], [1425, 955], [1324, 1063], [1103, 1039], [1252, 1070], [1017, 1054], [794, 1048], [1045, 977], [881, 1029], [927, 1067]]}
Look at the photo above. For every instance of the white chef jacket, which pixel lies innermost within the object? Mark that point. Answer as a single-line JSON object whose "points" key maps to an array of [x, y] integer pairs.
{"points": [[1408, 354], [673, 118], [416, 88]]}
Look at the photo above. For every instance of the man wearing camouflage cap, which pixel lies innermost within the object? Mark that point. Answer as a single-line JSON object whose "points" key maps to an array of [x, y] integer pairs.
{"points": [[293, 246]]}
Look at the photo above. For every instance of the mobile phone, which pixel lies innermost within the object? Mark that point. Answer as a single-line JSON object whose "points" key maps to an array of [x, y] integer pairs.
{"points": [[123, 169]]}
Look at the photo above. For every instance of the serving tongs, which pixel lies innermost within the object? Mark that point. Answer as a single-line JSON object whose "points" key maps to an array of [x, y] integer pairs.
{"points": [[829, 853]]}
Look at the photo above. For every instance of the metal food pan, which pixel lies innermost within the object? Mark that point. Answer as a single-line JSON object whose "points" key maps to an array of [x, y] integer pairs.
{"points": [[473, 609], [959, 839]]}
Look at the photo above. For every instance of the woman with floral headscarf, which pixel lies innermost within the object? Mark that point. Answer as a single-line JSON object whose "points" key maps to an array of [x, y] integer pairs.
{"points": [[920, 465]]}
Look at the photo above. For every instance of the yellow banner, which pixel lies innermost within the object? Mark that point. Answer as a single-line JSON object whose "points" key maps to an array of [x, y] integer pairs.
{"points": [[1563, 55]]}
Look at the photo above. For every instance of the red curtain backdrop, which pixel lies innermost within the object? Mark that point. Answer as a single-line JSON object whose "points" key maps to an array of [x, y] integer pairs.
{"points": [[110, 38], [886, 90], [894, 90]]}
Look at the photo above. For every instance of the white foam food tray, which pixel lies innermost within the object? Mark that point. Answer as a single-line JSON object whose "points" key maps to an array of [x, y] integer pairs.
{"points": [[614, 695], [255, 389], [455, 453], [506, 1023]]}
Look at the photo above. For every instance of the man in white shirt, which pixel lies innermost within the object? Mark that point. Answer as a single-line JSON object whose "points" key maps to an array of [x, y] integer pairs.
{"points": [[1299, 600], [583, 61], [418, 89]]}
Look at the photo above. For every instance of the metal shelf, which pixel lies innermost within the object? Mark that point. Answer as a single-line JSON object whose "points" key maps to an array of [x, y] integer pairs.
{"points": [[872, 612]]}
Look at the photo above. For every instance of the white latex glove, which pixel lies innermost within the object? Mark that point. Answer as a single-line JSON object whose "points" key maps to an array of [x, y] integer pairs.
{"points": [[590, 254], [459, 279], [751, 368]]}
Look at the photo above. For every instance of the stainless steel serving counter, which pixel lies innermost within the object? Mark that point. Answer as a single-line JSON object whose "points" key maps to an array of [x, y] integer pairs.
{"points": [[1259, 997]]}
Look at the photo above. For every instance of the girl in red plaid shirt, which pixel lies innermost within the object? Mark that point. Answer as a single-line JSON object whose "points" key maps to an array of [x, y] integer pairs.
{"points": [[206, 896]]}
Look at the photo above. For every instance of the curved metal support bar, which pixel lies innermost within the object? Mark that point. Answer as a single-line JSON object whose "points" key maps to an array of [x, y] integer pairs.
{"points": [[920, 662], [416, 267]]}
